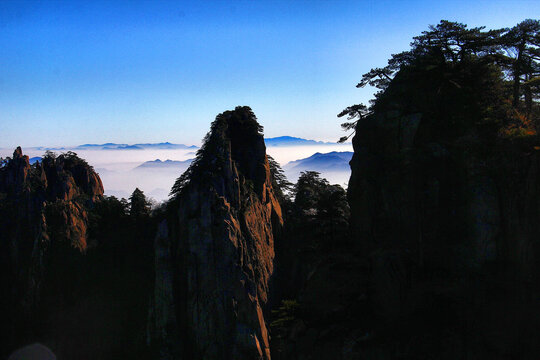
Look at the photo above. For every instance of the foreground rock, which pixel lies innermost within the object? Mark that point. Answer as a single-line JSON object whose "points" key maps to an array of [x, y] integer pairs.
{"points": [[43, 228], [450, 227], [218, 242]]}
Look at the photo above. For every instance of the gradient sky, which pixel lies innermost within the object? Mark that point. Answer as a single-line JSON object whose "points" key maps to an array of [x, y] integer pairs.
{"points": [[94, 72]]}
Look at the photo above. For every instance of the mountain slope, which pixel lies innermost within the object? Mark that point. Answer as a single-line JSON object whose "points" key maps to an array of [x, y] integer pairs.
{"points": [[322, 162], [44, 233], [218, 242]]}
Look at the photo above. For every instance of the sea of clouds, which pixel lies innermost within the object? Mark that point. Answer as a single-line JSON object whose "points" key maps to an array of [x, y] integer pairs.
{"points": [[120, 174]]}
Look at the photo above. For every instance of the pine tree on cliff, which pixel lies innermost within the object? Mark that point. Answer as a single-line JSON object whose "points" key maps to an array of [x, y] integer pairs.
{"points": [[451, 75], [522, 44], [320, 209], [282, 186], [139, 205]]}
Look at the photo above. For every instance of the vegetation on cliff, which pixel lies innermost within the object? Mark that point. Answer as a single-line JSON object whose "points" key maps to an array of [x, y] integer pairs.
{"points": [[75, 264], [458, 78], [443, 156], [236, 126], [217, 241]]}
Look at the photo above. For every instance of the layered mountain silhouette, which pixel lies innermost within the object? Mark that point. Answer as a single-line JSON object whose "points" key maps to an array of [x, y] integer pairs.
{"points": [[322, 162], [34, 159], [164, 165], [114, 146], [293, 141]]}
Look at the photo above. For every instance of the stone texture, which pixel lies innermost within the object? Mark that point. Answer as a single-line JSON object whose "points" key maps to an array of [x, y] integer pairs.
{"points": [[450, 227], [222, 242], [43, 221]]}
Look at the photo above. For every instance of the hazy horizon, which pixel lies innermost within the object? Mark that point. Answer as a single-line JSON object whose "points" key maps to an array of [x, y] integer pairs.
{"points": [[116, 168]]}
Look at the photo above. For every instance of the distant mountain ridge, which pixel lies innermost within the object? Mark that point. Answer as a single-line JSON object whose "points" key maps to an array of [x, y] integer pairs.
{"points": [[114, 146], [322, 162], [165, 165], [272, 142], [35, 159], [293, 141]]}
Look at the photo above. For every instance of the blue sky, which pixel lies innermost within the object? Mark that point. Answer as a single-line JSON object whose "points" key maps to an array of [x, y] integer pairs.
{"points": [[79, 72]]}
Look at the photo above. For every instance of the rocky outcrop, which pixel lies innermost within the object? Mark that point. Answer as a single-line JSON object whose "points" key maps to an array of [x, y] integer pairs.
{"points": [[66, 183], [448, 224], [220, 239], [43, 218]]}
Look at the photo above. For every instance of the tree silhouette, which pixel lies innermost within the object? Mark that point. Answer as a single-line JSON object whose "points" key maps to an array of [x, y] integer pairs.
{"points": [[138, 204], [522, 44], [452, 76]]}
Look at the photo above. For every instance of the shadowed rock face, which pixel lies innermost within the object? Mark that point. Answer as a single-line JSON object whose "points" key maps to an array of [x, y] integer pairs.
{"points": [[440, 222], [220, 244], [43, 220]]}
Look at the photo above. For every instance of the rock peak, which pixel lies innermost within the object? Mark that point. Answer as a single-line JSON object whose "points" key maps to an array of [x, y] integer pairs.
{"points": [[225, 266], [17, 154], [247, 144]]}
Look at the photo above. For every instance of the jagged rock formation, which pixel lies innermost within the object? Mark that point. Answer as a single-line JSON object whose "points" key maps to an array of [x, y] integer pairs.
{"points": [[43, 221], [450, 226], [220, 244]]}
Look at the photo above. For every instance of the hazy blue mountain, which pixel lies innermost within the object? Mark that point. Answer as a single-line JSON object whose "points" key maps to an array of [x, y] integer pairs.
{"points": [[322, 162], [123, 147], [35, 159], [44, 148], [293, 141], [166, 145], [164, 165], [113, 146]]}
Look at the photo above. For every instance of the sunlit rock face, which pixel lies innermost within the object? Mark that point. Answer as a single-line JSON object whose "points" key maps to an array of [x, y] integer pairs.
{"points": [[221, 243], [43, 222]]}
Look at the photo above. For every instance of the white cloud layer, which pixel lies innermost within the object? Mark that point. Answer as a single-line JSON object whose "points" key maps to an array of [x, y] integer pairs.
{"points": [[116, 167]]}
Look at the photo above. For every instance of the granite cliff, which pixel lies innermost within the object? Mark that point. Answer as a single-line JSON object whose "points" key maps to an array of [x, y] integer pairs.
{"points": [[43, 226], [216, 249], [449, 226]]}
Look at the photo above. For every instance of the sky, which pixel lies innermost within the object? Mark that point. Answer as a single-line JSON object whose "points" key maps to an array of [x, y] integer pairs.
{"points": [[131, 72]]}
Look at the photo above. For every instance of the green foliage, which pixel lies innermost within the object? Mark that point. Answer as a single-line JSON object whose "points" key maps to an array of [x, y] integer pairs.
{"points": [[522, 46], [49, 155], [209, 160], [111, 207], [139, 206], [282, 186], [354, 113], [456, 77], [70, 159], [107, 217], [308, 189], [320, 210]]}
